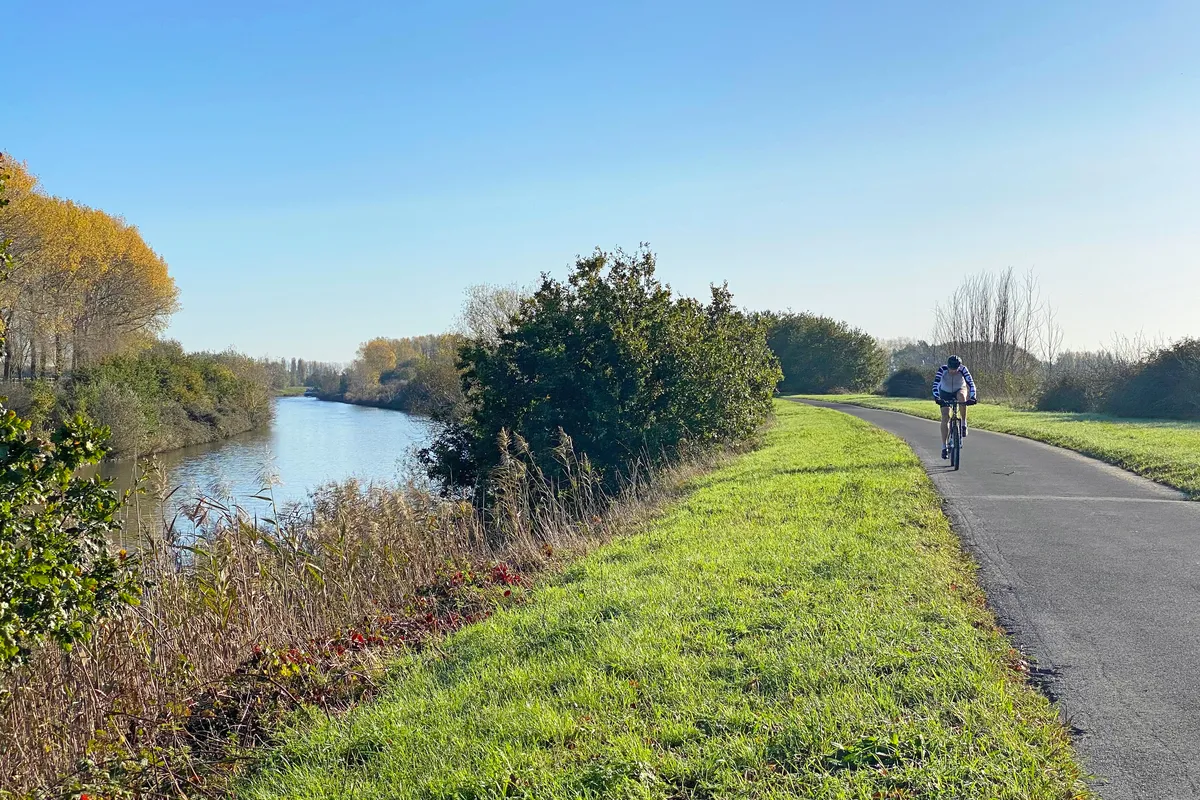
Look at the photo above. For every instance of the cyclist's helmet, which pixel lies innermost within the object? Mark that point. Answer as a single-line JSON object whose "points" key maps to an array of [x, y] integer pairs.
{"points": [[953, 362]]}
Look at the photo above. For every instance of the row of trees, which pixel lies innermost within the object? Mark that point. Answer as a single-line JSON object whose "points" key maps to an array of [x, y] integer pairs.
{"points": [[291, 372], [284, 374], [84, 284]]}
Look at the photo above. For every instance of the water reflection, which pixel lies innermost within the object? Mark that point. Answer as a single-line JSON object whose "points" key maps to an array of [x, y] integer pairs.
{"points": [[309, 443]]}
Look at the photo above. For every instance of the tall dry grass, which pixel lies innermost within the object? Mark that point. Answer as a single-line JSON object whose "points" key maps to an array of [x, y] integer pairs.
{"points": [[246, 620]]}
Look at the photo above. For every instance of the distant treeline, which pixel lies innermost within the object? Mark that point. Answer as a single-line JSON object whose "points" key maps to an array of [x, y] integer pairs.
{"points": [[1161, 382], [1125, 380], [295, 373], [417, 374]]}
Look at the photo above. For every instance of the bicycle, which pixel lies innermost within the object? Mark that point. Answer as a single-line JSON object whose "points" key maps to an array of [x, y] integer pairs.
{"points": [[954, 440]]}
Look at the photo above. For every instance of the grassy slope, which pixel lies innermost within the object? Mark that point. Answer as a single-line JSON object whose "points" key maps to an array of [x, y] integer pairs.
{"points": [[1161, 450], [802, 624]]}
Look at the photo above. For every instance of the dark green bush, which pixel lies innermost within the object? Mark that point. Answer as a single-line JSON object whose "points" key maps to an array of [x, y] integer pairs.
{"points": [[613, 360], [1165, 386], [1066, 393], [909, 382], [819, 355]]}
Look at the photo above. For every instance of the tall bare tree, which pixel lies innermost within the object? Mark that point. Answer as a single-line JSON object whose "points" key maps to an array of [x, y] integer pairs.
{"points": [[1052, 339], [488, 311], [994, 322]]}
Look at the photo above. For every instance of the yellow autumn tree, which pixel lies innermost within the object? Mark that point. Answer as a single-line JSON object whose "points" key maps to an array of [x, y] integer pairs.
{"points": [[84, 284], [375, 358]]}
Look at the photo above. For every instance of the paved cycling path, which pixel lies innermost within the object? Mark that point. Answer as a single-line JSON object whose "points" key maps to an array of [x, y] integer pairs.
{"points": [[1096, 574]]}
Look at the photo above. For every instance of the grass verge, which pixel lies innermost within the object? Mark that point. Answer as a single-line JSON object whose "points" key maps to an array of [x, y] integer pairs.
{"points": [[1165, 451], [801, 624], [291, 391]]}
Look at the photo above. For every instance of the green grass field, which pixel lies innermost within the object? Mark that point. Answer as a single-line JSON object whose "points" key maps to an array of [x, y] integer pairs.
{"points": [[801, 624], [1161, 450]]}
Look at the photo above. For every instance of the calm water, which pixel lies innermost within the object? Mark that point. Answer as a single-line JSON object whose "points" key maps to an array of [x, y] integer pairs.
{"points": [[310, 443]]}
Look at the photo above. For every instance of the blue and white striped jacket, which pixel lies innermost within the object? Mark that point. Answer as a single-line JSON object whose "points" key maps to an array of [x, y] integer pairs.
{"points": [[953, 382]]}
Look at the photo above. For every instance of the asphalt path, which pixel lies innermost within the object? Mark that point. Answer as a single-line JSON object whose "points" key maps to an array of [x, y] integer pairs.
{"points": [[1095, 573]]}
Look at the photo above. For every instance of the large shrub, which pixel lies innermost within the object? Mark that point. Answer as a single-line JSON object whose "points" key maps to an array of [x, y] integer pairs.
{"points": [[613, 360], [1087, 381], [1166, 385], [163, 398], [820, 354], [120, 409], [909, 382], [1065, 393]]}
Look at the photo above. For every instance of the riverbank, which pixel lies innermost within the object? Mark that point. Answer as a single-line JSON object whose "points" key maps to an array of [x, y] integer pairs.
{"points": [[138, 427], [416, 402], [1165, 451], [802, 623], [291, 391], [387, 403], [267, 608], [155, 400]]}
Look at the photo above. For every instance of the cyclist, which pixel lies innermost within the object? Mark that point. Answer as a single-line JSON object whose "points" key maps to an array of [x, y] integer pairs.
{"points": [[952, 380]]}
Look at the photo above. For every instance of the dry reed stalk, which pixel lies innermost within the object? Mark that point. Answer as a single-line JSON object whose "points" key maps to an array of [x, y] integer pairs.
{"points": [[124, 705]]}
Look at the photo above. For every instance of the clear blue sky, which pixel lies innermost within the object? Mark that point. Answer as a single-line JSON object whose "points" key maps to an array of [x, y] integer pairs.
{"points": [[318, 174]]}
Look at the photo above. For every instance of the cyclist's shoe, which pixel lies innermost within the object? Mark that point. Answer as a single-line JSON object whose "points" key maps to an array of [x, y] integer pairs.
{"points": [[964, 429], [945, 453]]}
